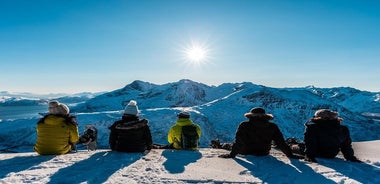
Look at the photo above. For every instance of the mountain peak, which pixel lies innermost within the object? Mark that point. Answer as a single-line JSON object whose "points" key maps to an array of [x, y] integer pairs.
{"points": [[138, 85]]}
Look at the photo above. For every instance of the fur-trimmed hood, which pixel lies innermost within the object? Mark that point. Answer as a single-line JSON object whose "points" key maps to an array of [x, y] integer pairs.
{"points": [[258, 113]]}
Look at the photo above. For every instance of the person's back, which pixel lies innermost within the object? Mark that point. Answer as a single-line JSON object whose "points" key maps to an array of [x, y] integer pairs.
{"points": [[182, 135], [324, 137], [130, 134], [57, 132], [254, 137]]}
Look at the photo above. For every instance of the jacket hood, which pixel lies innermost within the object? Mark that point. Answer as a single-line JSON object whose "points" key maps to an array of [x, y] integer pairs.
{"points": [[318, 121], [260, 122], [54, 120], [128, 125], [184, 121]]}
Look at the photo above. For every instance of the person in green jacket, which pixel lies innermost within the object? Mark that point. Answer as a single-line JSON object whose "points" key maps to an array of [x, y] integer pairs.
{"points": [[185, 133]]}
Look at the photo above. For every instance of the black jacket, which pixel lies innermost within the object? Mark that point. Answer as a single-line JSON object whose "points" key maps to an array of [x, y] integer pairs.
{"points": [[130, 135], [325, 138], [254, 137]]}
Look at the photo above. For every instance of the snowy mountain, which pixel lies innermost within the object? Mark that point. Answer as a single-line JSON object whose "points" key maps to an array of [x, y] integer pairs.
{"points": [[21, 101], [217, 109], [30, 99]]}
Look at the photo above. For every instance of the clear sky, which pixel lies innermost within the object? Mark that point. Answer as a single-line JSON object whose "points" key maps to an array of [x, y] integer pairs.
{"points": [[90, 45]]}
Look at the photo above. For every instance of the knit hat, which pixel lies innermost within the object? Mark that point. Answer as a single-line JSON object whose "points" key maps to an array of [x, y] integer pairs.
{"points": [[326, 114], [131, 108], [258, 112], [183, 114], [57, 108]]}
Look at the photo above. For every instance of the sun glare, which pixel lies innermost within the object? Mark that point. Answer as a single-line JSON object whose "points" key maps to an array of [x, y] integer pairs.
{"points": [[196, 53]]}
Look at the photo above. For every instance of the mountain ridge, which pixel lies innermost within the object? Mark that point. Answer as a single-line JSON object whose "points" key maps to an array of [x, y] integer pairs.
{"points": [[219, 109]]}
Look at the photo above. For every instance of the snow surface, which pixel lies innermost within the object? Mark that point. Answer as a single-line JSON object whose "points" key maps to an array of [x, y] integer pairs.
{"points": [[178, 166]]}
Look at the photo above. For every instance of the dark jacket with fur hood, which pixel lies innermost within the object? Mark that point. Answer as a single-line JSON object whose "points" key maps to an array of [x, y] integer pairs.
{"points": [[254, 137], [325, 138], [130, 134]]}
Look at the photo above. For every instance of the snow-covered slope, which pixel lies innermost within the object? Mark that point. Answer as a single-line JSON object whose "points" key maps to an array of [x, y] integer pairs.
{"points": [[171, 166], [29, 99], [217, 109]]}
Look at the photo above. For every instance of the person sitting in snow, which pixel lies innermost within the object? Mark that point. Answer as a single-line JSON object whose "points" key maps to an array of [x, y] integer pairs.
{"points": [[254, 137], [185, 133], [325, 136], [130, 134], [57, 132]]}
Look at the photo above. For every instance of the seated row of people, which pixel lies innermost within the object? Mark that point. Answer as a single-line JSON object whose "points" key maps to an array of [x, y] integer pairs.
{"points": [[324, 137], [57, 133]]}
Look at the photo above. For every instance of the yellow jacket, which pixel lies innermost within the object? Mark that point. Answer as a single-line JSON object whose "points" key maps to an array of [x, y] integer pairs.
{"points": [[174, 135], [55, 135]]}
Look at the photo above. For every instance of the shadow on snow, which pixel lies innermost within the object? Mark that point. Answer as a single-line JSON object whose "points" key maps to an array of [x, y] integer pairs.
{"points": [[356, 171], [176, 162], [270, 170], [17, 164], [96, 169]]}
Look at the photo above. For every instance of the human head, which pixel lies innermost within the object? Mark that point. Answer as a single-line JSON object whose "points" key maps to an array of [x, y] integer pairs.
{"points": [[184, 114], [326, 114], [259, 113], [131, 108], [57, 108]]}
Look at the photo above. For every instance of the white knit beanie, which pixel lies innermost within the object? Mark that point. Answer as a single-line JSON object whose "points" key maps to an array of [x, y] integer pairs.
{"points": [[131, 108], [57, 108]]}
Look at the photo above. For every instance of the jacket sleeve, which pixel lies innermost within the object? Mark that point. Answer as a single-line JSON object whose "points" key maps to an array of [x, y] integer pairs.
{"points": [[112, 138], [171, 135], [148, 138], [238, 144], [346, 147], [280, 141], [74, 133], [311, 142], [199, 131]]}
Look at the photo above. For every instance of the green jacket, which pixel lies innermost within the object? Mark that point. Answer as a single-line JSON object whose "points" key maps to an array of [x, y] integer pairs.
{"points": [[174, 135]]}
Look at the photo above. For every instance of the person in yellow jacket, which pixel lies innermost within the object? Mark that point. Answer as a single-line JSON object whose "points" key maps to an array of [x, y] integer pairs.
{"points": [[177, 134], [57, 132]]}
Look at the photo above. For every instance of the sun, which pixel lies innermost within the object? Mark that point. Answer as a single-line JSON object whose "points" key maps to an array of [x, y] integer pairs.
{"points": [[196, 53]]}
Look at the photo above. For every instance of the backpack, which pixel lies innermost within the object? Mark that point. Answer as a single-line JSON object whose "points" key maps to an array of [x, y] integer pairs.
{"points": [[296, 146], [189, 137], [90, 134]]}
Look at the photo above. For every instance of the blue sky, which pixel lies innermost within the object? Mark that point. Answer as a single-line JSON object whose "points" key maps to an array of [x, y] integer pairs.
{"points": [[89, 45]]}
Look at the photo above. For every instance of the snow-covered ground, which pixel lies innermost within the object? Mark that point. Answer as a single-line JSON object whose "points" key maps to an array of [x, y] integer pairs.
{"points": [[173, 166]]}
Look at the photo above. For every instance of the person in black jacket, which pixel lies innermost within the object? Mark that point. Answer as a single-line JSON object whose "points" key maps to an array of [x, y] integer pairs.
{"points": [[130, 134], [254, 137], [324, 137]]}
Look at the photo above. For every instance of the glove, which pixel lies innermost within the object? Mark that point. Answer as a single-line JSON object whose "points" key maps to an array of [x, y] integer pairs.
{"points": [[310, 159], [226, 156], [149, 147], [354, 159], [296, 156]]}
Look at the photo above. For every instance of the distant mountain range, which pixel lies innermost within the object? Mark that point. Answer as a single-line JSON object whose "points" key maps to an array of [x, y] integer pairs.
{"points": [[30, 99], [220, 109]]}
